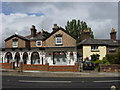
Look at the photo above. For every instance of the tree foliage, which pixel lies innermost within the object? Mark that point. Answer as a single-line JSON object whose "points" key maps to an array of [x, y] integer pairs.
{"points": [[95, 57], [113, 58], [75, 27]]}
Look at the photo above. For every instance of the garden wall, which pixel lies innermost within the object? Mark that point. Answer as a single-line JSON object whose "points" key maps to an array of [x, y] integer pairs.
{"points": [[44, 67], [110, 68]]}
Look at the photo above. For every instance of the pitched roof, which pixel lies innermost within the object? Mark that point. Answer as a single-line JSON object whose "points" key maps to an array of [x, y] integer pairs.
{"points": [[60, 28], [107, 42], [16, 35], [38, 36]]}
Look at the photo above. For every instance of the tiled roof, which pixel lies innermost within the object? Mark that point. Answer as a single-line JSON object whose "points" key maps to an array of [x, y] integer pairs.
{"points": [[39, 36], [60, 28], [108, 42], [16, 35]]}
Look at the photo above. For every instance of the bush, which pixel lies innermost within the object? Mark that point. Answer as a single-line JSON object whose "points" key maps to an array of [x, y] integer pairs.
{"points": [[105, 61], [95, 57], [113, 58]]}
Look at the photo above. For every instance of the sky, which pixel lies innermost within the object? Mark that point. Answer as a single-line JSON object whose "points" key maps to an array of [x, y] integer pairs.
{"points": [[18, 17]]}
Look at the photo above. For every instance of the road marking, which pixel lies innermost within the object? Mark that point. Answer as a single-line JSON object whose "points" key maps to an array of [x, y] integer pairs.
{"points": [[46, 81], [108, 81]]}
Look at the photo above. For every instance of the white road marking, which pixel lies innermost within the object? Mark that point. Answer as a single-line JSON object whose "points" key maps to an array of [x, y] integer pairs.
{"points": [[108, 81], [46, 81]]}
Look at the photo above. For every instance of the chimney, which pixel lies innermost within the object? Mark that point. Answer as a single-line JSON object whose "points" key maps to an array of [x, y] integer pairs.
{"points": [[55, 27], [85, 34], [113, 34], [41, 33], [33, 31]]}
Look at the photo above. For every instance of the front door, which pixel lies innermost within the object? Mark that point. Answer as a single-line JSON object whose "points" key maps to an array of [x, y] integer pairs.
{"points": [[17, 59]]}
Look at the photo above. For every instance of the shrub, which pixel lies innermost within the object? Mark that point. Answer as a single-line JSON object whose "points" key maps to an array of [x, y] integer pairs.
{"points": [[95, 57], [113, 58], [105, 61]]}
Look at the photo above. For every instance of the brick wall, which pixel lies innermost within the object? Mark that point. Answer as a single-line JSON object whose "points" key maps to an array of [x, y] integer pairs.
{"points": [[33, 43], [67, 40], [110, 68], [111, 52], [6, 65], [21, 43], [44, 67]]}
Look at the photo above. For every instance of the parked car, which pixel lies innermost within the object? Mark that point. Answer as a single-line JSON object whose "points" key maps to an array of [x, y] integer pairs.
{"points": [[88, 65]]}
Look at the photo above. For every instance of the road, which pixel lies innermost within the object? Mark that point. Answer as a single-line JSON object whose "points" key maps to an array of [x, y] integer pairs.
{"points": [[59, 82]]}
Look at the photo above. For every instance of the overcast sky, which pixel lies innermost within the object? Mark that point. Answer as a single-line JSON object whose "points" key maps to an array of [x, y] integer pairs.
{"points": [[19, 16]]}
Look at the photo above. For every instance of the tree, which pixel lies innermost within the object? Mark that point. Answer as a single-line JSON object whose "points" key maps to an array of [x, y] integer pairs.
{"points": [[118, 54], [75, 27]]}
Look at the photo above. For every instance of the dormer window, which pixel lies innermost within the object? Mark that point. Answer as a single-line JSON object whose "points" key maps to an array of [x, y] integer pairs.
{"points": [[38, 43], [94, 48], [15, 43], [58, 39]]}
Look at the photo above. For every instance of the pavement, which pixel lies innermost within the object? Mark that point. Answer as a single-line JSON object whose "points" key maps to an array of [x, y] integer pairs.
{"points": [[88, 73]]}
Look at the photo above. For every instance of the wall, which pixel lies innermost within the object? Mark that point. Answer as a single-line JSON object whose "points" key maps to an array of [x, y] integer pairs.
{"points": [[21, 43], [44, 67], [6, 65], [67, 40], [87, 51], [110, 68], [116, 51], [33, 43]]}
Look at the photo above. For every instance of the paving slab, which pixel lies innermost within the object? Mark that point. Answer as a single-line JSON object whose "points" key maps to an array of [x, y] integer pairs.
{"points": [[59, 74]]}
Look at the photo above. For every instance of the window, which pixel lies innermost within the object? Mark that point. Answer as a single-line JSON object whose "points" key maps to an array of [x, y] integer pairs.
{"points": [[94, 48], [58, 40], [15, 43], [38, 43], [112, 49]]}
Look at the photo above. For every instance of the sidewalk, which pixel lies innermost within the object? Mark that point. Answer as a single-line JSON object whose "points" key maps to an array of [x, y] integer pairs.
{"points": [[59, 74]]}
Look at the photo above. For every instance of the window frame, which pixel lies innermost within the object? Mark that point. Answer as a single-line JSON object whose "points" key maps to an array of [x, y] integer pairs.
{"points": [[94, 48], [57, 40], [37, 43], [15, 45], [112, 49]]}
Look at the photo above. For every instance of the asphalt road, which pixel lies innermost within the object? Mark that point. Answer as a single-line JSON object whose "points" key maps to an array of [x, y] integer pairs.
{"points": [[59, 82]]}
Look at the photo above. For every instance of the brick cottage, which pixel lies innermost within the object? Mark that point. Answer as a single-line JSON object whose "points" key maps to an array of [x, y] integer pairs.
{"points": [[55, 51]]}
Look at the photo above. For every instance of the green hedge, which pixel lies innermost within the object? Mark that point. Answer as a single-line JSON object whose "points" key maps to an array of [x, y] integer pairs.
{"points": [[113, 58]]}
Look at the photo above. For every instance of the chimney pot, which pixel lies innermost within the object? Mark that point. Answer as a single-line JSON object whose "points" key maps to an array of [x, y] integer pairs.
{"points": [[55, 27], [85, 34], [33, 31], [113, 34]]}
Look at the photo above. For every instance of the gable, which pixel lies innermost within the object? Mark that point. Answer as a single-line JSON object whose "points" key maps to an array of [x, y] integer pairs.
{"points": [[67, 40], [54, 31], [16, 36]]}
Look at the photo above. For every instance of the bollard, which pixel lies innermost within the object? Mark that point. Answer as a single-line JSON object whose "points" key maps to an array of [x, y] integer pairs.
{"points": [[113, 88]]}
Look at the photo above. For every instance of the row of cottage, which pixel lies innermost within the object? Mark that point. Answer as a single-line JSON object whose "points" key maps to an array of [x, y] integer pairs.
{"points": [[57, 48]]}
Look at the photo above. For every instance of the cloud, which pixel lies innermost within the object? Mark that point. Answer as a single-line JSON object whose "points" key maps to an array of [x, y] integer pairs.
{"points": [[101, 17]]}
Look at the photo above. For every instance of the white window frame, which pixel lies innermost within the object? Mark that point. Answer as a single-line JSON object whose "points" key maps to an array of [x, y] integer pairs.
{"points": [[94, 48], [112, 49], [15, 45], [57, 39], [37, 43]]}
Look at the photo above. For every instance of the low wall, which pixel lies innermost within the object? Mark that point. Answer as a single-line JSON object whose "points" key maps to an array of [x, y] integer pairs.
{"points": [[110, 68], [6, 65], [44, 67]]}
